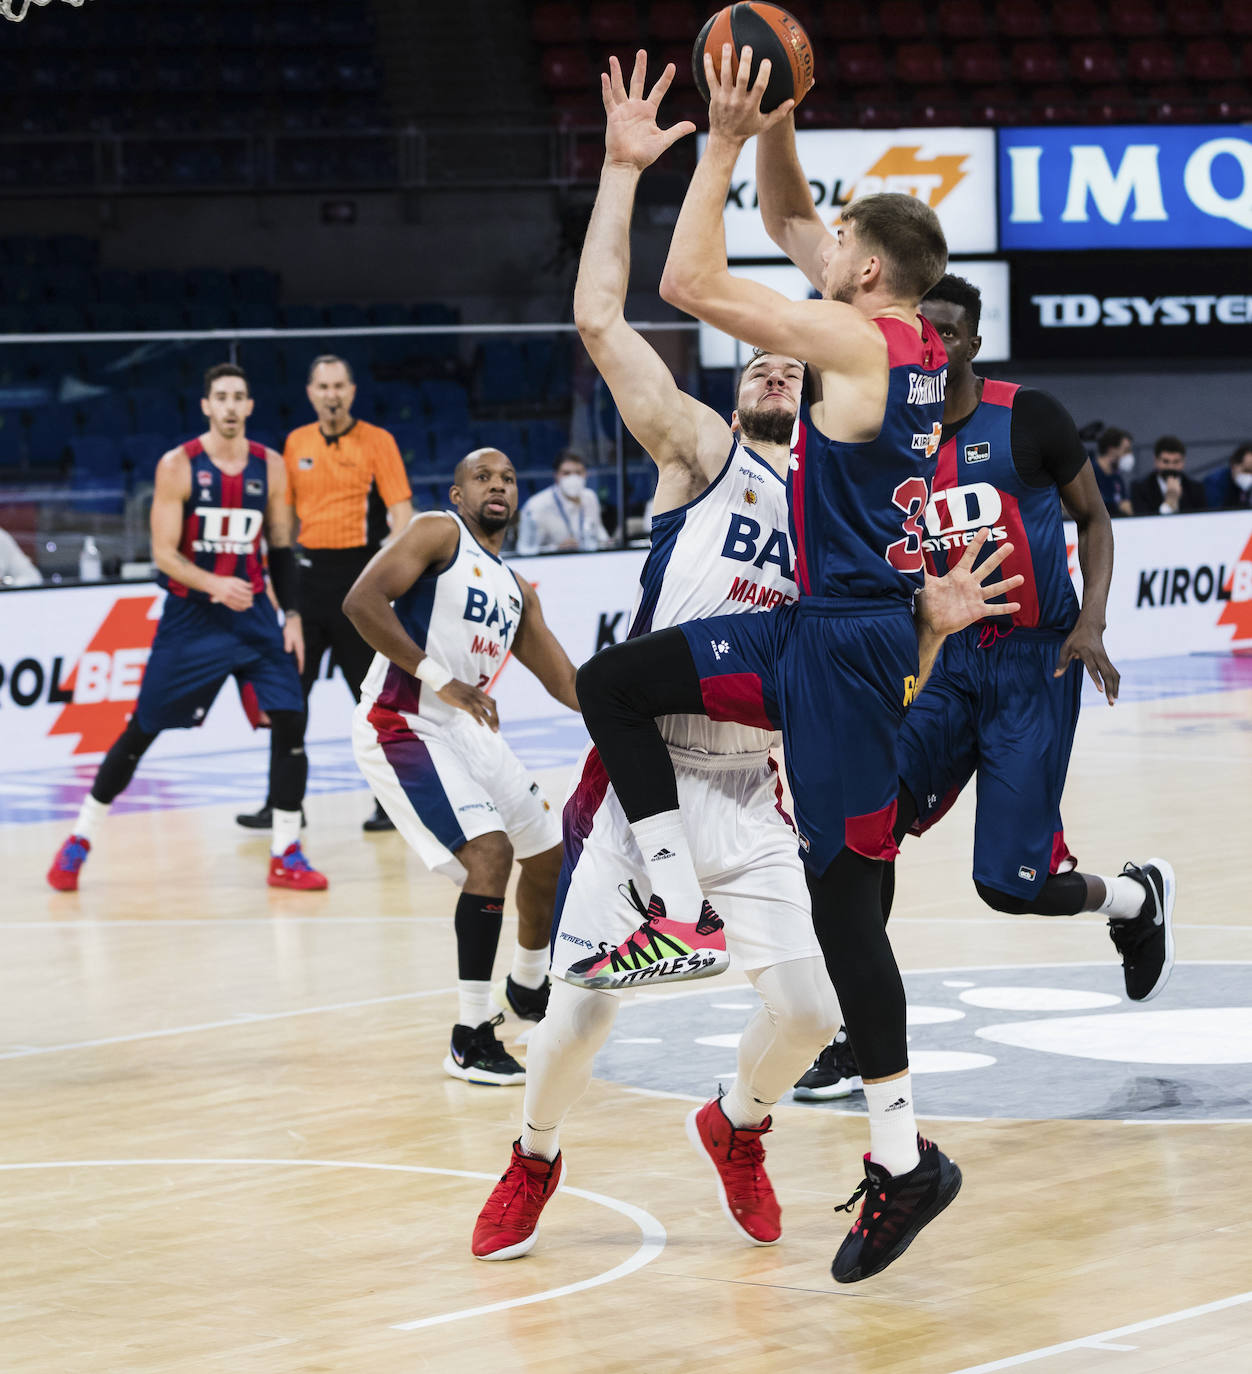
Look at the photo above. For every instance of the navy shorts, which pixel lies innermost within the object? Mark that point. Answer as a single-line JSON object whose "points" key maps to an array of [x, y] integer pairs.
{"points": [[834, 677], [998, 712], [198, 645]]}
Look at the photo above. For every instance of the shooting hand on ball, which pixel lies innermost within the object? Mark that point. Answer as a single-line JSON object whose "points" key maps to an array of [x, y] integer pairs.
{"points": [[734, 104], [632, 137]]}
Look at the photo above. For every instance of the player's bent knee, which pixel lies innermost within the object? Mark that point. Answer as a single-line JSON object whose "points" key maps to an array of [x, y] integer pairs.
{"points": [[488, 861], [1002, 901]]}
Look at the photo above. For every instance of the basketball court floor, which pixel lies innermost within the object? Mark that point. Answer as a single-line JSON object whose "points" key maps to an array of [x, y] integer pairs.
{"points": [[228, 1144]]}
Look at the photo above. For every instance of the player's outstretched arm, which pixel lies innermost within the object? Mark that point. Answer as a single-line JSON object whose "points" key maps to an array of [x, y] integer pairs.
{"points": [[428, 541], [537, 648], [673, 428], [171, 490], [787, 209]]}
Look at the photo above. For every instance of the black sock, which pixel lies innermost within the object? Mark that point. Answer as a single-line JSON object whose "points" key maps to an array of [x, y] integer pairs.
{"points": [[289, 764], [119, 764], [477, 923]]}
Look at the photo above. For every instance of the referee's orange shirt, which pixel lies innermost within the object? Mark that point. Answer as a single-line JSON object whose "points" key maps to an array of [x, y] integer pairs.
{"points": [[331, 479]]}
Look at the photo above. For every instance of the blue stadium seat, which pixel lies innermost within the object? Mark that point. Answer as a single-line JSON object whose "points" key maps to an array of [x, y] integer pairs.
{"points": [[502, 378], [346, 316], [449, 446], [98, 455], [155, 410], [413, 439], [48, 435], [141, 452], [445, 401], [508, 437], [105, 415], [398, 401], [545, 439]]}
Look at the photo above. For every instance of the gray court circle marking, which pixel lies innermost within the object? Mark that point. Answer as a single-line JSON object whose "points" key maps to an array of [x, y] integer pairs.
{"points": [[1038, 999], [652, 1241]]}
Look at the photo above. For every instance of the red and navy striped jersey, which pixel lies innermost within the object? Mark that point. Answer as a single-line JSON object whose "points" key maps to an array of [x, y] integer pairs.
{"points": [[856, 509], [223, 520], [981, 482]]}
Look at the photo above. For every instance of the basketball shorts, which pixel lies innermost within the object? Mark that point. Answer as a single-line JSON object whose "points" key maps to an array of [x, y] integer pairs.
{"points": [[997, 712], [834, 676], [198, 645], [448, 785], [744, 850]]}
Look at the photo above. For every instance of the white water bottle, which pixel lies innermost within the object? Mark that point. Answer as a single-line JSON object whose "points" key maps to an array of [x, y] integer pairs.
{"points": [[89, 561]]}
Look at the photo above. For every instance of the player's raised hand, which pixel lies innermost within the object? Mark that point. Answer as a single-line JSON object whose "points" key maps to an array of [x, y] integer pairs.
{"points": [[734, 104], [632, 137], [472, 701], [963, 596], [232, 592], [1086, 643]]}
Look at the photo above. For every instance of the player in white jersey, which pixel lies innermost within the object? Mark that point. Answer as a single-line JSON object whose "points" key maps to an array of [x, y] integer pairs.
{"points": [[719, 544], [443, 613]]}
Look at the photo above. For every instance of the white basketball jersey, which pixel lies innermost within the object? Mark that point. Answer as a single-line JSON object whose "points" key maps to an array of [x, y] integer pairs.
{"points": [[464, 616], [727, 551]]}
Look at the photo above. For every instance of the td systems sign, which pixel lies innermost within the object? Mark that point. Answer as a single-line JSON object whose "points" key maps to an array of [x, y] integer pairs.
{"points": [[1127, 187], [1143, 305]]}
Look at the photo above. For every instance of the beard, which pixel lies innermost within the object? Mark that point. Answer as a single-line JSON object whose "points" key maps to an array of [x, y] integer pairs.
{"points": [[493, 524], [767, 426], [846, 290]]}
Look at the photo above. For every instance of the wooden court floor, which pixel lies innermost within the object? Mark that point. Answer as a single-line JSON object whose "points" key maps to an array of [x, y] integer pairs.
{"points": [[227, 1144]]}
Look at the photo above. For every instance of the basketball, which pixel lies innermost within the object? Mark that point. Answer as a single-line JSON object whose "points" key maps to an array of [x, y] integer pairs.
{"points": [[770, 32]]}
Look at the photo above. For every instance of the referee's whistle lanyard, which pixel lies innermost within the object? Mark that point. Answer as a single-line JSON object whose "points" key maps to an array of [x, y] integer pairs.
{"points": [[560, 505]]}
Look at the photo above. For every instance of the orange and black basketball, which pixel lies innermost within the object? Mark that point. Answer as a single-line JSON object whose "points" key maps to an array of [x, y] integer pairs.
{"points": [[770, 32]]}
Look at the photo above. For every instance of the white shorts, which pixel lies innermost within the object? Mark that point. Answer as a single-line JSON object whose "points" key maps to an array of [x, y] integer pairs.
{"points": [[745, 853], [446, 787]]}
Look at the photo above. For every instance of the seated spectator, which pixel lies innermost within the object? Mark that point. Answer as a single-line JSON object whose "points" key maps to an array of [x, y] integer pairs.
{"points": [[1230, 487], [16, 570], [1114, 464], [564, 517], [1168, 490]]}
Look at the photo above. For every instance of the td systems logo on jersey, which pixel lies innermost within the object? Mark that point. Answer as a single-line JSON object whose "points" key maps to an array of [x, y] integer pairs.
{"points": [[227, 529], [954, 517]]}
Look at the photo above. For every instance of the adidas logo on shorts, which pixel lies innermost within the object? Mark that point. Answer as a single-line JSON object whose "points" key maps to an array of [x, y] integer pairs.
{"points": [[661, 854]]}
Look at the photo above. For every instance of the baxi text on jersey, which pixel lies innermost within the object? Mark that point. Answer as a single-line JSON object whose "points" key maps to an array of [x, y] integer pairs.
{"points": [[927, 388], [747, 541], [483, 610]]}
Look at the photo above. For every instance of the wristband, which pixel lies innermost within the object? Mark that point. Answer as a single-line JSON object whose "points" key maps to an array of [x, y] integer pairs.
{"points": [[433, 674]]}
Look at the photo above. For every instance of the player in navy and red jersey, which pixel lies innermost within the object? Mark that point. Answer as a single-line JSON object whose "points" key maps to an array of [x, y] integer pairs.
{"points": [[215, 498], [834, 670], [1002, 702]]}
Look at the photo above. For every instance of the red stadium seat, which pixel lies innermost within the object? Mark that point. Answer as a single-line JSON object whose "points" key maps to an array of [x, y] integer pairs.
{"points": [[1057, 105], [855, 21], [1134, 18], [1077, 19], [577, 109], [1151, 60], [878, 109], [995, 105], [963, 19], [938, 111], [979, 64], [1232, 101], [1173, 104], [919, 64], [1191, 18], [1094, 63], [861, 64], [1112, 105], [675, 21], [558, 21], [1038, 64], [1237, 17], [902, 20], [680, 56], [565, 69], [1021, 19], [822, 112], [617, 21], [1208, 59]]}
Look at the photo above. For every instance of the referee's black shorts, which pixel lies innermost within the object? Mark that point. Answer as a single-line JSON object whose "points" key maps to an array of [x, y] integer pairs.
{"points": [[325, 578]]}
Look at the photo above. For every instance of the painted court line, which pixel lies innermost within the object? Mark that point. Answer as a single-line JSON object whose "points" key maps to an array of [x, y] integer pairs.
{"points": [[652, 1233], [1103, 1340]]}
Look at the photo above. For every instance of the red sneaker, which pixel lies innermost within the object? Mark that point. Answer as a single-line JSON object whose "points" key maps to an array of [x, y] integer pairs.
{"points": [[63, 875], [292, 869], [505, 1228], [738, 1156]]}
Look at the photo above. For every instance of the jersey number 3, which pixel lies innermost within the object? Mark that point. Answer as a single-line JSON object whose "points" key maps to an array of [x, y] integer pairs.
{"points": [[905, 555]]}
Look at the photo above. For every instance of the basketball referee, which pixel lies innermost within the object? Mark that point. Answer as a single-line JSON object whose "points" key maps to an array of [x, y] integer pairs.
{"points": [[333, 466]]}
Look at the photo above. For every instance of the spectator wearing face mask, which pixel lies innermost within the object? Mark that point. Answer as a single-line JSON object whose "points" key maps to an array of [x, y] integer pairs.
{"points": [[1114, 465], [1168, 490], [564, 517], [1230, 487]]}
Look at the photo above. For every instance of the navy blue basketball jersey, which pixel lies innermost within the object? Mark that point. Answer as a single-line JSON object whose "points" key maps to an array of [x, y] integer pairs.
{"points": [[977, 485], [856, 509], [223, 520]]}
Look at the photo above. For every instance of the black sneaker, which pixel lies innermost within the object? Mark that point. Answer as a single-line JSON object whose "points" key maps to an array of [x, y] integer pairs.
{"points": [[263, 819], [527, 1004], [380, 820], [895, 1209], [478, 1057], [1146, 941], [835, 1073]]}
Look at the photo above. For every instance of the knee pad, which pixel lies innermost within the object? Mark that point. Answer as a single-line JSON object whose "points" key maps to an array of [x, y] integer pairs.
{"points": [[287, 728], [1001, 901]]}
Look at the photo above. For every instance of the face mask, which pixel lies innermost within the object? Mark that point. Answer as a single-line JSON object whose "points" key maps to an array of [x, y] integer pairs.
{"points": [[1243, 480], [572, 485], [1126, 464]]}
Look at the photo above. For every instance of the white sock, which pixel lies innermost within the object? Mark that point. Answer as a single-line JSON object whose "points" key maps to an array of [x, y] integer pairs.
{"points": [[667, 858], [742, 1109], [90, 814], [530, 966], [892, 1127], [474, 999], [1123, 897], [284, 830], [540, 1142]]}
